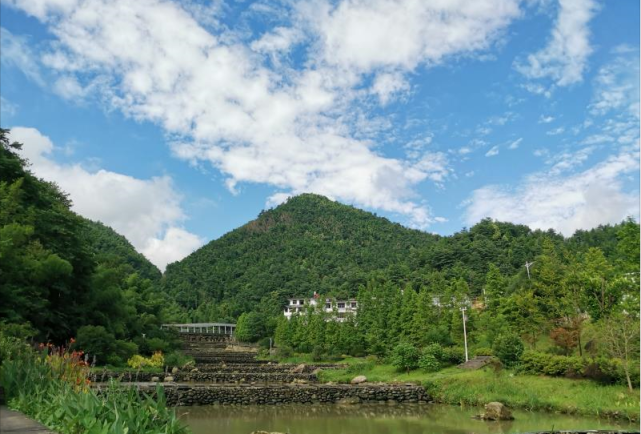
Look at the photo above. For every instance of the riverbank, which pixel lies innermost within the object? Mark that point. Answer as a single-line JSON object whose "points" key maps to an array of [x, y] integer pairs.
{"points": [[527, 392]]}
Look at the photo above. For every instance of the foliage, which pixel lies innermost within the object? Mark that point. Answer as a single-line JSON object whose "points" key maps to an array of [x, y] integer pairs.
{"points": [[601, 369], [178, 359], [453, 355], [60, 272], [405, 357], [508, 348], [155, 361], [53, 388]]}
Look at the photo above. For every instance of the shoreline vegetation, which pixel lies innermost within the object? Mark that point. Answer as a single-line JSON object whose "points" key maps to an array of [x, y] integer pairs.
{"points": [[460, 387], [526, 392]]}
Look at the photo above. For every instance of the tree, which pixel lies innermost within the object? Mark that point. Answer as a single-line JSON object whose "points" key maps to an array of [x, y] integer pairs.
{"points": [[250, 327], [405, 357], [494, 289], [508, 347]]}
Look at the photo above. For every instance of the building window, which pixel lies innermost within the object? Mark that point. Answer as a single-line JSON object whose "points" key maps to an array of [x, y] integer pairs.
{"points": [[294, 301], [328, 305], [354, 305], [301, 302], [341, 305]]}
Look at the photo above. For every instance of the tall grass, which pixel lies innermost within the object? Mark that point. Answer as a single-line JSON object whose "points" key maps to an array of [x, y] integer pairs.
{"points": [[52, 387]]}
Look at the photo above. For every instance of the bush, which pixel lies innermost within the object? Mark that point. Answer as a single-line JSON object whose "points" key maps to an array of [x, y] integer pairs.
{"points": [[428, 362], [483, 351], [263, 344], [601, 369], [431, 357], [508, 347], [96, 341], [178, 359], [317, 353], [405, 357], [453, 355], [284, 351], [155, 361]]}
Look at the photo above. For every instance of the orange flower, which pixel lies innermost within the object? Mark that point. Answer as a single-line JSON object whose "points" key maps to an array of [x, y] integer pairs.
{"points": [[72, 340]]}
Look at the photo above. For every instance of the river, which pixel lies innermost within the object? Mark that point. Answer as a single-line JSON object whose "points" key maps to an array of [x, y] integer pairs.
{"points": [[376, 419]]}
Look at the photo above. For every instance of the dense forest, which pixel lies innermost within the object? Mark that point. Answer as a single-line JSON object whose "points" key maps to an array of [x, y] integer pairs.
{"points": [[64, 276]]}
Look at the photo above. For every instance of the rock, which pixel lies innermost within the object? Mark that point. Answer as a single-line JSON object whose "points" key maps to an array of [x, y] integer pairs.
{"points": [[168, 379], [359, 379], [266, 432], [174, 370], [350, 400], [496, 411], [316, 371], [299, 369], [194, 370], [155, 379]]}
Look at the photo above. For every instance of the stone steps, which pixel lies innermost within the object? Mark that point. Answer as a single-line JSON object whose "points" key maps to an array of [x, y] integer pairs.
{"points": [[207, 377]]}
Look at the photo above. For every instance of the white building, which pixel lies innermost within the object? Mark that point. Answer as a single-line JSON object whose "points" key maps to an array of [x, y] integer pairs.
{"points": [[338, 310]]}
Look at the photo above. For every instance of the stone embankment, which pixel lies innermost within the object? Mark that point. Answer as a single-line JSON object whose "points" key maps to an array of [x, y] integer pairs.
{"points": [[207, 377], [186, 395], [269, 367]]}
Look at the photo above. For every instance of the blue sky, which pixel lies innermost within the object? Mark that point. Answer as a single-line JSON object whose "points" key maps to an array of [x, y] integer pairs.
{"points": [[175, 122]]}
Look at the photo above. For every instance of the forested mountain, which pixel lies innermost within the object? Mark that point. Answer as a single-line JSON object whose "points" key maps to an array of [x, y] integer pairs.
{"points": [[311, 243], [109, 246], [63, 276]]}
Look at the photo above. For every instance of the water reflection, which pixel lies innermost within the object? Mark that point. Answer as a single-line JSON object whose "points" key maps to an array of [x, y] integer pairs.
{"points": [[375, 419]]}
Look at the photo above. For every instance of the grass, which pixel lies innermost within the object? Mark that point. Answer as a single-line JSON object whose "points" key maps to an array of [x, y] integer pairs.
{"points": [[527, 392]]}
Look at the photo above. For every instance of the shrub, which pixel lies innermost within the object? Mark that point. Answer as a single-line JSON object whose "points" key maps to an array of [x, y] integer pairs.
{"points": [[601, 369], [483, 351], [178, 359], [284, 351], [263, 344], [155, 361], [453, 355], [317, 353], [431, 357], [96, 341], [428, 362], [405, 357], [508, 347]]}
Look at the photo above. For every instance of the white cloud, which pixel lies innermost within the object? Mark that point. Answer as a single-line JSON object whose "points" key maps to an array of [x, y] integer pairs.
{"points": [[173, 246], [515, 144], [546, 200], [386, 85], [546, 119], [17, 53], [147, 212], [492, 152], [365, 35], [7, 108], [300, 131], [617, 85], [564, 59], [555, 131]]}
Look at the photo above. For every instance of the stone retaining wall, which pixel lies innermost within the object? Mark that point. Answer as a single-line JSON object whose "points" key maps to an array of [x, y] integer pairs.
{"points": [[207, 377], [185, 395], [243, 367]]}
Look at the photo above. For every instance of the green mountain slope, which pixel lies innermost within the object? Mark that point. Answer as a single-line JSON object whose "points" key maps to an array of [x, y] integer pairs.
{"points": [[307, 244], [110, 247]]}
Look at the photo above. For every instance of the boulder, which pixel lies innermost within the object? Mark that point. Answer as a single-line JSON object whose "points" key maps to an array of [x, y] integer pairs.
{"points": [[168, 379], [496, 411], [359, 379], [155, 379], [174, 370], [299, 369]]}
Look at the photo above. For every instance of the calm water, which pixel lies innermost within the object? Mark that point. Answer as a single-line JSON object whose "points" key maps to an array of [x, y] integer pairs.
{"points": [[374, 419]]}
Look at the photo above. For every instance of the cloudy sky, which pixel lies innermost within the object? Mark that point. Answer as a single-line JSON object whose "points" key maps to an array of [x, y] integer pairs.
{"points": [[176, 121]]}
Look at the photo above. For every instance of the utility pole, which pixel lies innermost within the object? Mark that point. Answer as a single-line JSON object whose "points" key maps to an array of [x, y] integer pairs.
{"points": [[527, 267], [463, 309]]}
